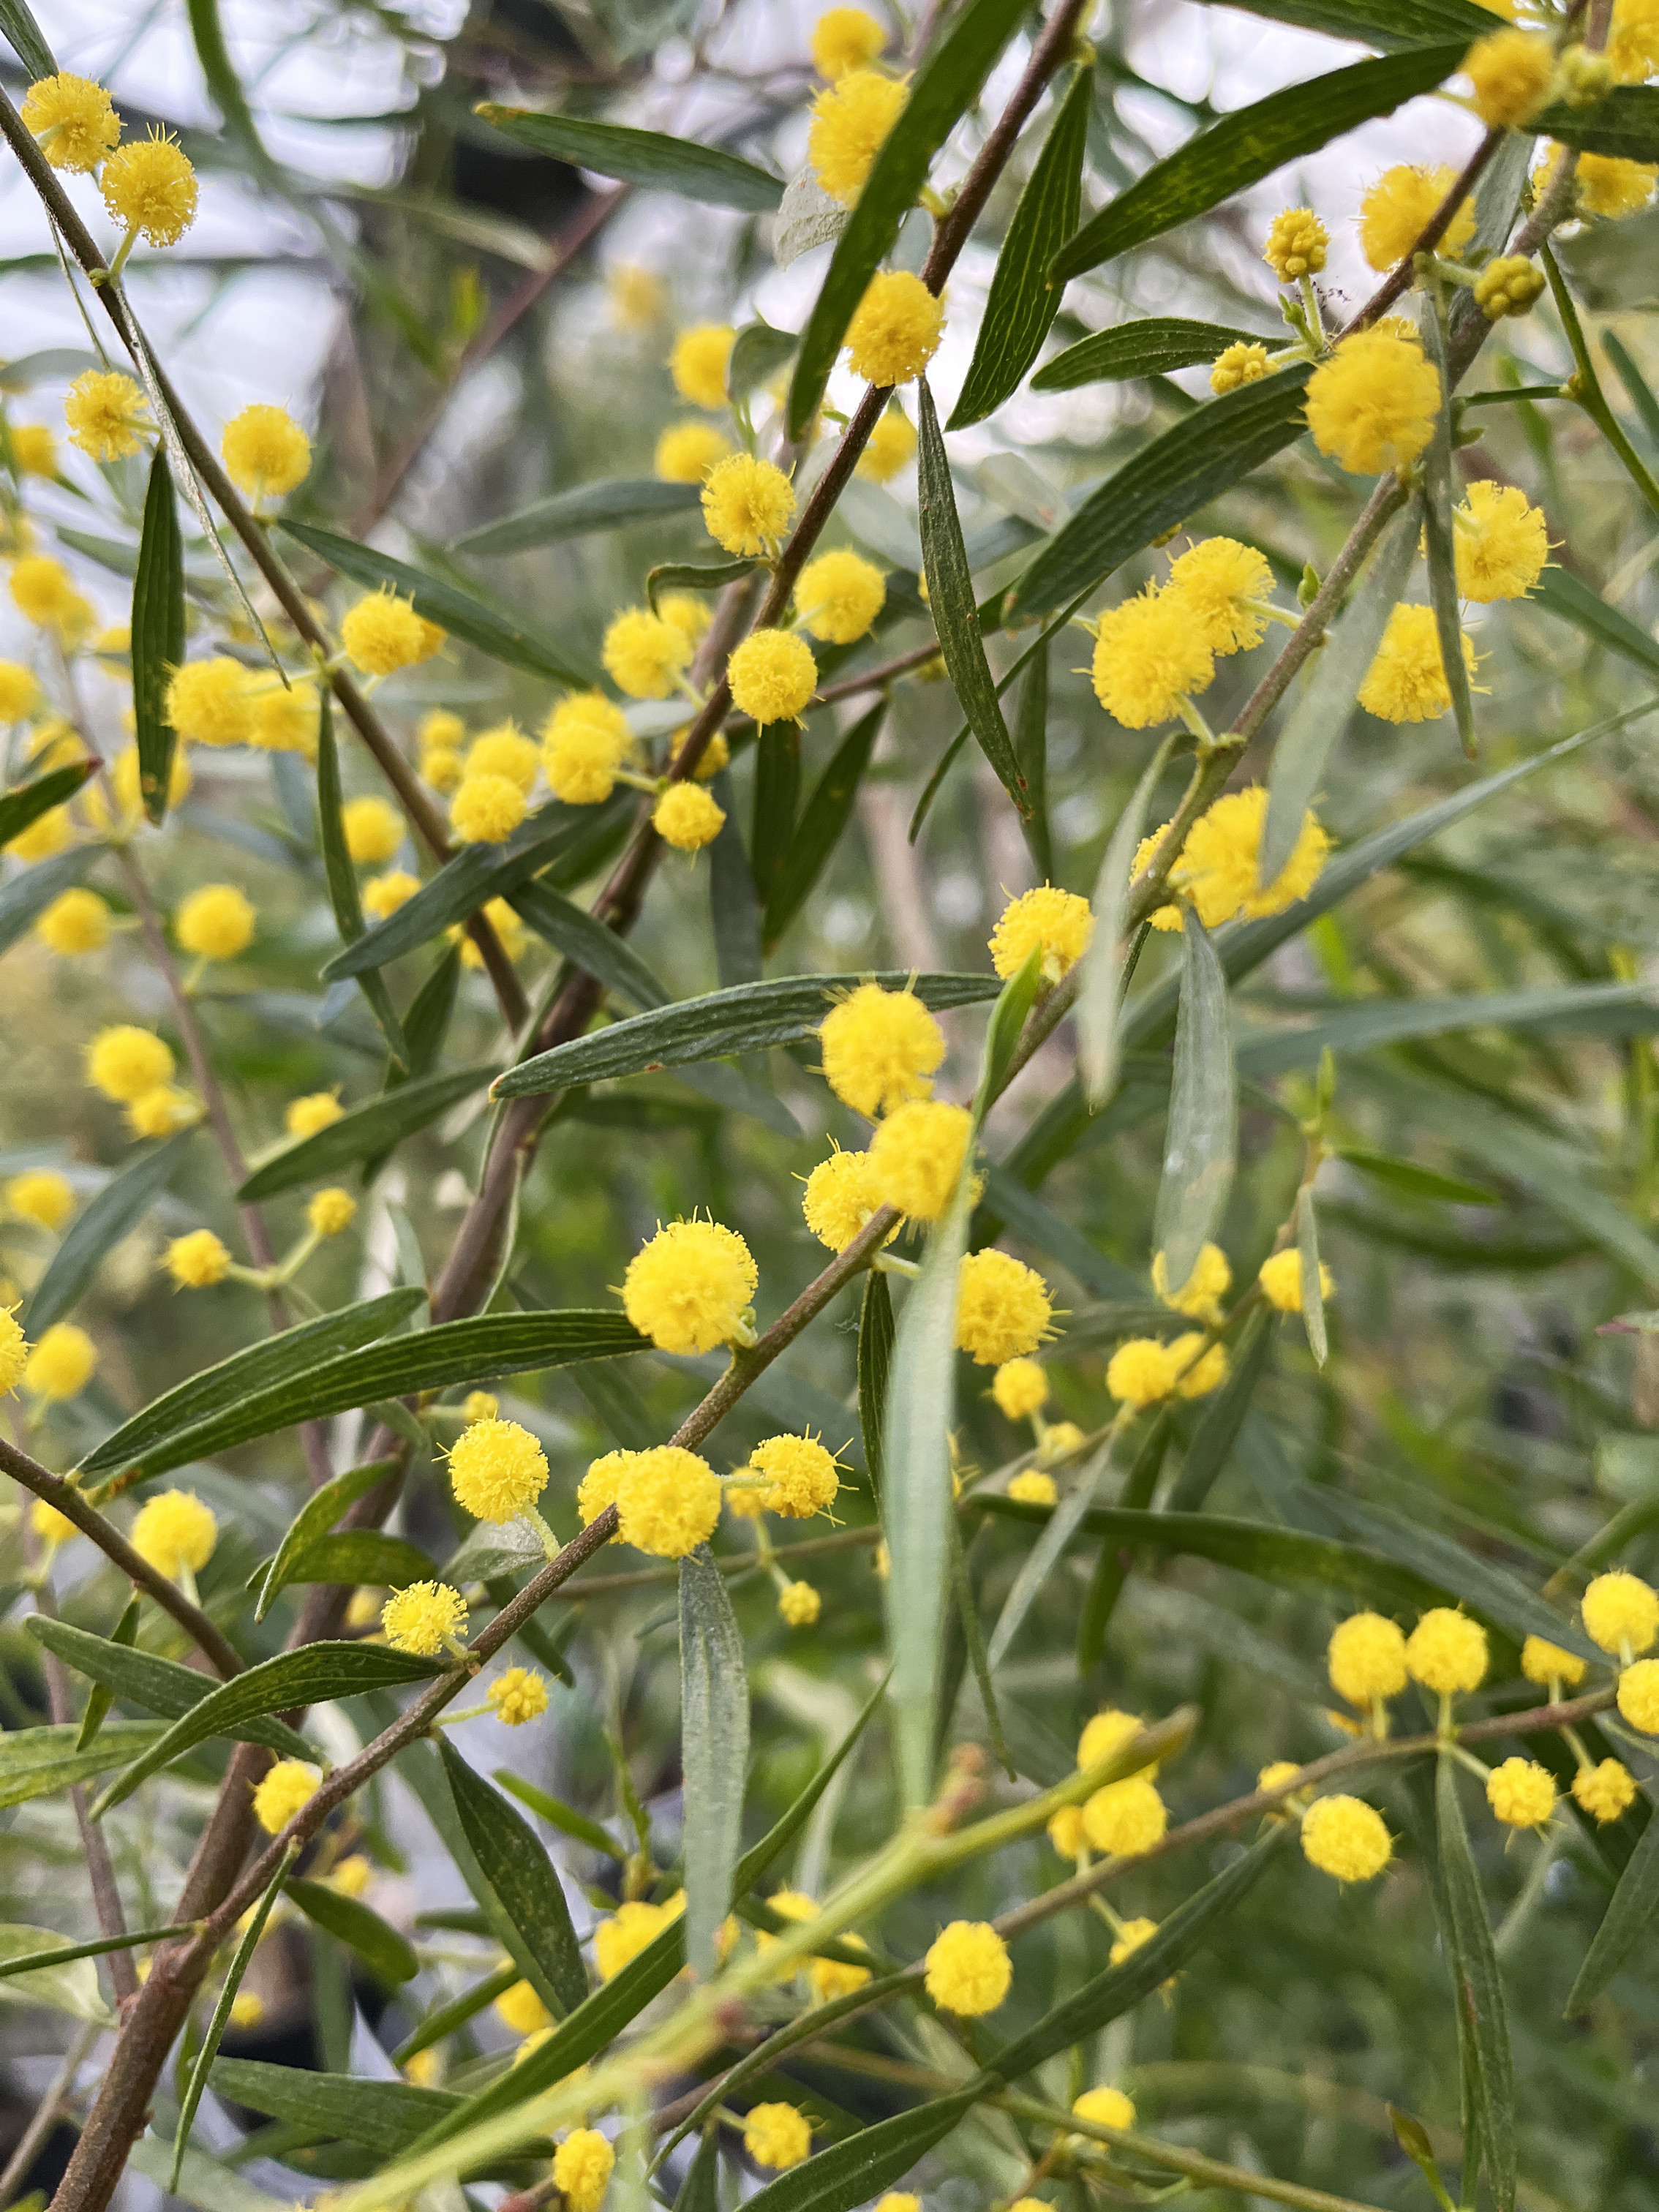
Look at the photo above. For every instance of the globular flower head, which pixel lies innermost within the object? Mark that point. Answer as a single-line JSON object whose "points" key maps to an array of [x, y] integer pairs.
{"points": [[1398, 207], [891, 444], [423, 1618], [844, 40], [1200, 1297], [14, 1351], [896, 328], [1280, 1278], [686, 452], [41, 1195], [1610, 186], [916, 1157], [776, 2135], [287, 1787], [585, 740], [625, 1934], [20, 693], [803, 1478], [106, 414], [265, 450], [374, 830], [1372, 405], [1020, 1388], [1366, 1659], [1220, 581], [880, 1049], [174, 1530], [1031, 1487], [1521, 1793], [799, 1605], [124, 1062], [519, 1695], [772, 675], [519, 2009], [1141, 1372], [162, 1110], [581, 2169], [44, 592], [1150, 655], [486, 808], [1544, 1662], [644, 656], [1633, 40], [1065, 1832], [1296, 241], [34, 450], [668, 1501], [304, 1117], [1244, 361], [198, 1259], [968, 1969], [839, 595], [691, 1287], [1217, 869], [839, 1199], [211, 702], [1620, 1611], [77, 921], [688, 818], [505, 750], [1197, 1371], [1060, 922], [1003, 1307], [747, 504], [1446, 1652], [1346, 1837], [1499, 542], [1510, 72], [1606, 1790], [149, 186], [1104, 1733], [1125, 1818], [73, 118], [1406, 681], [850, 123], [330, 1213], [215, 922], [496, 1469], [382, 634], [1509, 285], [1638, 1696], [697, 364], [1106, 2107], [284, 718]]}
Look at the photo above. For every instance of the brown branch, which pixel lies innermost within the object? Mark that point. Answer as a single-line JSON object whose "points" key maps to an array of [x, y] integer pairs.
{"points": [[1403, 273]]}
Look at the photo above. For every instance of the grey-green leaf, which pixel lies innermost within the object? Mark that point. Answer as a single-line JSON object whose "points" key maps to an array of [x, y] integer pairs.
{"points": [[33, 890], [314, 1521], [389, 1954], [1628, 1920], [241, 1958], [162, 1685], [1559, 592], [640, 157], [875, 1364], [23, 35], [819, 830], [1623, 123], [384, 2115], [1150, 347], [122, 1203], [1313, 1294], [341, 876], [695, 576], [864, 2165], [157, 634], [758, 351], [30, 800], [362, 1558], [364, 1133], [38, 1762], [1416, 1181], [715, 1751], [587, 943], [1100, 993], [1201, 1146], [1478, 1990], [580, 512], [519, 1871], [1395, 25]]}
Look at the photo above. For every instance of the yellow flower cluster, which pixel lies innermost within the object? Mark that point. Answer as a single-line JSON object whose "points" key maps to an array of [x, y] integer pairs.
{"points": [[667, 1499], [198, 1261], [1217, 868], [41, 1195], [424, 1617], [519, 1695], [969, 1971], [106, 415], [585, 740], [747, 504], [1372, 404], [1399, 206], [287, 1788], [895, 328], [1058, 922]]}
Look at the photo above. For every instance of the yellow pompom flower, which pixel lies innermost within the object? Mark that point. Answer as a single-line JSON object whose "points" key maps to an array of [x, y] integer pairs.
{"points": [[1106, 2107], [519, 1695], [625, 1935], [1062, 1440], [72, 119], [1544, 1662], [895, 328], [643, 655], [1521, 1793], [41, 1195], [691, 1287], [1033, 1488], [1296, 241], [44, 592], [150, 187], [636, 296], [747, 504], [839, 1199], [283, 718], [384, 895], [1105, 1732], [14, 1351], [850, 123], [1222, 584], [1140, 1372], [1366, 1659], [1065, 1832], [1499, 542], [845, 39], [423, 1619], [1638, 1695], [1510, 72], [1200, 1297], [772, 675], [1061, 922], [265, 450], [61, 1364], [839, 595], [1135, 1933], [1126, 1818], [1003, 1307], [214, 923], [440, 729], [1633, 40], [330, 1213], [1020, 1388], [585, 740], [582, 2166], [106, 415], [1150, 655], [124, 1062], [1398, 207], [1244, 361], [1620, 1612], [890, 447], [49, 833], [486, 808], [776, 2135], [505, 750], [211, 702], [687, 818], [382, 634], [1510, 285], [76, 922], [1346, 1837], [442, 767], [374, 830], [496, 1469], [35, 449], [802, 1477], [698, 362], [287, 1789], [799, 1605], [304, 1117], [668, 1501], [880, 1049], [1611, 187], [1372, 405], [1196, 1374], [19, 694], [162, 1110], [1407, 682], [175, 1531], [1605, 1792], [1446, 1652], [916, 1157], [1217, 870], [519, 2009], [686, 452], [198, 1261], [1280, 1278], [968, 1969]]}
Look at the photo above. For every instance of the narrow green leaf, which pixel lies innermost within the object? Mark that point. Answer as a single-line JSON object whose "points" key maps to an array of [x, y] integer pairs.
{"points": [[1437, 498], [875, 1364], [341, 876], [1003, 1030], [33, 890], [386, 2117], [1623, 123], [1031, 752], [699, 2191], [444, 2019], [513, 1862], [497, 635], [1023, 302], [854, 2171], [29, 801], [1395, 25], [715, 1751], [51, 364], [587, 943], [777, 794], [1062, 1524], [96, 1712], [758, 352], [122, 1203], [557, 1814], [1610, 1009], [580, 512], [241, 1958], [695, 576], [38, 1762], [1627, 1922], [1478, 1989], [1416, 1181], [158, 631], [1201, 1146], [640, 157], [366, 1131], [819, 830], [1251, 144], [53, 1953], [1636, 387], [1151, 347], [388, 1954], [1559, 592], [22, 34], [207, 33], [746, 1018], [1313, 1294], [162, 1685], [734, 910], [946, 86], [1100, 995], [361, 1556], [64, 1985], [1223, 1418], [1113, 1560], [1166, 484], [314, 1521], [954, 608]]}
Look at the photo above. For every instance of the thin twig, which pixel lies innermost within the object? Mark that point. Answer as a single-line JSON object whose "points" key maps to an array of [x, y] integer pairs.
{"points": [[44, 2117]]}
